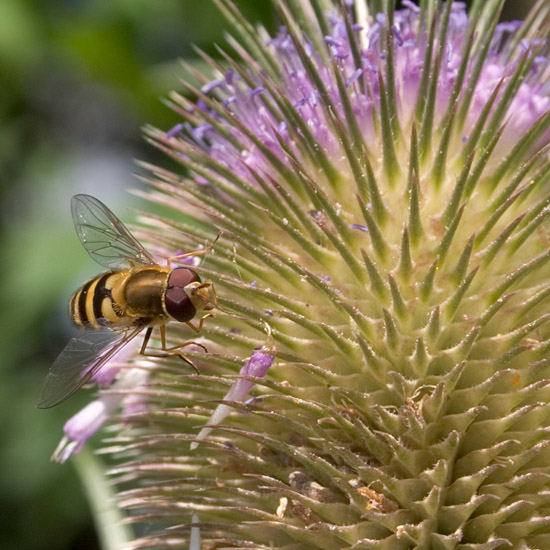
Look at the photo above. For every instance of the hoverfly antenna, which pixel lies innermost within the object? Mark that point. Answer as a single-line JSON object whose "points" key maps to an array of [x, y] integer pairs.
{"points": [[211, 245]]}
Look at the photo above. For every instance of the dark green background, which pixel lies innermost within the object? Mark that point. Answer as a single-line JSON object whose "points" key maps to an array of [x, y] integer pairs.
{"points": [[78, 78]]}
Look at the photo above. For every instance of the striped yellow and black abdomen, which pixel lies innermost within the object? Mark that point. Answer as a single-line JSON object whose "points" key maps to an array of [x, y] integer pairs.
{"points": [[93, 306]]}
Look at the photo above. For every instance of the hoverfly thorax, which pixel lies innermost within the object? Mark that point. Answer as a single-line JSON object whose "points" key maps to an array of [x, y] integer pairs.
{"points": [[143, 291]]}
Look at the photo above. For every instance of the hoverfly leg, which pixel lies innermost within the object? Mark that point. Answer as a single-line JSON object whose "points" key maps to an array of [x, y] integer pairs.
{"points": [[172, 348], [168, 352], [146, 340], [189, 343], [175, 354], [190, 363], [163, 336], [201, 322], [194, 253], [216, 303], [215, 299]]}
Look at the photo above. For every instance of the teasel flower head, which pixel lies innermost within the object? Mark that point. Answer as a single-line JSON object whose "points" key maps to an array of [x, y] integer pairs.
{"points": [[381, 182]]}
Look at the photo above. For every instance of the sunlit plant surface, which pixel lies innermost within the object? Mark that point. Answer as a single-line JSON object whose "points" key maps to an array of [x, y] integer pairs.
{"points": [[381, 181]]}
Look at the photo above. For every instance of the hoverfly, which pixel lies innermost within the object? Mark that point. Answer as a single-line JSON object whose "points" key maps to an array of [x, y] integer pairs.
{"points": [[136, 293]]}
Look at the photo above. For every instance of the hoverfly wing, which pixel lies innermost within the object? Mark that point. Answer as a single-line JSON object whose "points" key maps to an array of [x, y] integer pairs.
{"points": [[104, 236], [81, 358]]}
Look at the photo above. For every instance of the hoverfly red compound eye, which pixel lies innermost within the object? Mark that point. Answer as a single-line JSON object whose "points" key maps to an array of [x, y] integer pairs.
{"points": [[178, 304]]}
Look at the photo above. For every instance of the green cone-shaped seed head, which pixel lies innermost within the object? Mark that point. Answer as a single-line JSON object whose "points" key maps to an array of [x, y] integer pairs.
{"points": [[381, 182]]}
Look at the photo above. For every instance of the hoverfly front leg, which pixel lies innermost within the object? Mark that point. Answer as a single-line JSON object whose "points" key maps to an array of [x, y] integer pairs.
{"points": [[201, 322], [215, 304], [215, 298], [194, 253], [212, 297]]}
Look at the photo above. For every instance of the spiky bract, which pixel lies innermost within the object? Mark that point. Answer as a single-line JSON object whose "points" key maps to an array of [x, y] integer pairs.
{"points": [[382, 184]]}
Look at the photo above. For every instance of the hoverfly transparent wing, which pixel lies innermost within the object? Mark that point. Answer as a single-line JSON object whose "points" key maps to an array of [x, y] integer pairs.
{"points": [[81, 358], [104, 236]]}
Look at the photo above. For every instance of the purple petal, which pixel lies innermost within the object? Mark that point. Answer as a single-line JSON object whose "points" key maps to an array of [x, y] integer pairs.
{"points": [[257, 91], [106, 374], [200, 131], [333, 41], [257, 366], [85, 423], [207, 88], [398, 36], [174, 131], [356, 74], [411, 6]]}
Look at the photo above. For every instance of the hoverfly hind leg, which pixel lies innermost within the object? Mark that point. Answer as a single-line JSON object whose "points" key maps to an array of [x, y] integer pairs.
{"points": [[168, 352], [173, 354], [172, 348]]}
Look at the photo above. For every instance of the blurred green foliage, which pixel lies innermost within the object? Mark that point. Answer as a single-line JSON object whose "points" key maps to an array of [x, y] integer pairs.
{"points": [[78, 80]]}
